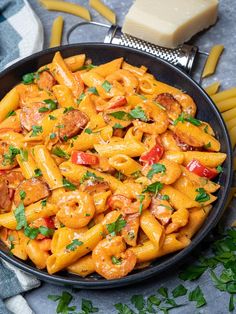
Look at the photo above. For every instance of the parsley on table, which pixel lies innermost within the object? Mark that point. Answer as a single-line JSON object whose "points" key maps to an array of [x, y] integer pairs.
{"points": [[87, 307], [202, 195], [19, 214], [154, 187], [10, 113], [64, 301], [138, 301], [106, 86], [36, 129], [156, 168], [123, 309], [68, 185], [74, 244], [138, 113], [197, 296], [179, 291], [116, 226], [90, 175], [193, 272], [93, 90], [163, 291], [57, 151]]}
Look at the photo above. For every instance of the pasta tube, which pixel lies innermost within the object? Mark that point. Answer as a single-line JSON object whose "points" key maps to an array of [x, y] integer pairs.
{"points": [[67, 8], [56, 34], [212, 60], [226, 94], [9, 103], [66, 257], [228, 115], [124, 164], [226, 104], [213, 88], [28, 166], [211, 160], [83, 267], [103, 10], [47, 165]]}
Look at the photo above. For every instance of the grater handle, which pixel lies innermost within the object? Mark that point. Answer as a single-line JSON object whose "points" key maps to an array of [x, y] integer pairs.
{"points": [[182, 57]]}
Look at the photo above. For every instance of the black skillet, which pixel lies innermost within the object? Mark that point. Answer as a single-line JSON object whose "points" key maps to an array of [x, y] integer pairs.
{"points": [[207, 111]]}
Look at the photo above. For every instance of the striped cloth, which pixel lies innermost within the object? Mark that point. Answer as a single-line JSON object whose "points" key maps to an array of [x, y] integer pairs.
{"points": [[21, 34], [21, 31]]}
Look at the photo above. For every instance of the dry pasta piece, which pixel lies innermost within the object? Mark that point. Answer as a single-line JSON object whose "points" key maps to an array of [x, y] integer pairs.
{"points": [[232, 134], [213, 88], [67, 8], [231, 123], [228, 115], [226, 94], [212, 60], [56, 33], [103, 10], [226, 104]]}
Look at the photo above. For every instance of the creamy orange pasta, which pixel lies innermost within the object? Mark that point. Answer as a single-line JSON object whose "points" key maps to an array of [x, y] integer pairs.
{"points": [[103, 168]]}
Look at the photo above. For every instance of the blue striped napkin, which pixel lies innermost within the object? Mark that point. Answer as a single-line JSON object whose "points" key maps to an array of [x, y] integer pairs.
{"points": [[21, 34]]}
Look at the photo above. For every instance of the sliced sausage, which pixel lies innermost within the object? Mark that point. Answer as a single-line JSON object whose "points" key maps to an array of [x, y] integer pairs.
{"points": [[30, 115], [71, 123], [35, 190], [7, 160], [46, 80], [5, 199], [171, 105], [13, 178]]}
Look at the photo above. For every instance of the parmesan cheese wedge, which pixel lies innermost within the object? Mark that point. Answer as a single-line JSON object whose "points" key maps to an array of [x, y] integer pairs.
{"points": [[169, 23]]}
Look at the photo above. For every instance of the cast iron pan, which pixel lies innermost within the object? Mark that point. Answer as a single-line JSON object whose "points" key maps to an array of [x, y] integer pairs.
{"points": [[163, 71]]}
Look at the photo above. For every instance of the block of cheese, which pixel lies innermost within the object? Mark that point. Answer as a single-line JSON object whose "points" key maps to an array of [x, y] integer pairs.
{"points": [[169, 23]]}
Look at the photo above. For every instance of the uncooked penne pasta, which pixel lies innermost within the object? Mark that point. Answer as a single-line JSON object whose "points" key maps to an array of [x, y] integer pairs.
{"points": [[56, 33], [212, 60], [213, 88], [103, 10]]}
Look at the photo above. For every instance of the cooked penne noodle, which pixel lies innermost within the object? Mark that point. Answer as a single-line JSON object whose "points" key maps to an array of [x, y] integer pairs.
{"points": [[124, 164], [9, 103], [212, 60], [83, 267], [66, 7], [103, 10], [56, 33]]}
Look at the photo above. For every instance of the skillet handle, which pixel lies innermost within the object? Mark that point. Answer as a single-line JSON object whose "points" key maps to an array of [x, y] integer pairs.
{"points": [[182, 57]]}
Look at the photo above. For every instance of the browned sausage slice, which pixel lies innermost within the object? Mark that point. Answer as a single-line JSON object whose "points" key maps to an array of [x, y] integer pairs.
{"points": [[35, 190], [171, 105], [30, 115], [46, 80], [13, 178], [71, 123]]}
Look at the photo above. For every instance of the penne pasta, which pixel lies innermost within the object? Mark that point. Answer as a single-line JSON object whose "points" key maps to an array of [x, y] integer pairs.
{"points": [[103, 10], [226, 104], [56, 33], [9, 103], [226, 94], [213, 88], [212, 60]]}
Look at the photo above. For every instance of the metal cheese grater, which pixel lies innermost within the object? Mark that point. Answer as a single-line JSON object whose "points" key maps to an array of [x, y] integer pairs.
{"points": [[182, 57]]}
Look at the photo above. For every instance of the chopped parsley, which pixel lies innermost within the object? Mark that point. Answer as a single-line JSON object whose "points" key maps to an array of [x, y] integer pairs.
{"points": [[154, 187], [116, 226], [219, 169], [93, 90], [10, 156], [88, 131], [90, 175], [28, 78], [74, 244], [87, 67], [202, 195], [37, 172], [52, 105], [10, 113], [19, 214], [182, 118], [138, 113], [24, 155], [136, 174], [36, 129], [11, 239], [156, 168], [22, 195], [197, 295], [179, 291], [68, 109], [106, 86], [81, 97], [57, 151], [165, 197], [44, 203], [117, 126], [68, 185], [63, 304], [52, 136], [116, 261], [208, 145], [120, 115], [51, 117]]}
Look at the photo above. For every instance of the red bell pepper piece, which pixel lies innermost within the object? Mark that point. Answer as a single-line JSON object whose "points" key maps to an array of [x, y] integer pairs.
{"points": [[153, 156], [81, 158], [196, 167]]}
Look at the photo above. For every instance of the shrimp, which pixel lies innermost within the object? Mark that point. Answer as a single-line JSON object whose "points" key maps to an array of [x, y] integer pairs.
{"points": [[112, 260], [76, 209], [127, 79], [154, 113]]}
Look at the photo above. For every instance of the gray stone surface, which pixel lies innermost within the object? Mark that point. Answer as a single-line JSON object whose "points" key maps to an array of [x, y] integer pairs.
{"points": [[224, 32]]}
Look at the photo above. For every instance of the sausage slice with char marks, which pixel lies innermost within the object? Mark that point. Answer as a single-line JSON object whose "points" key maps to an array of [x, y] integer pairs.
{"points": [[5, 199], [35, 190], [71, 124]]}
